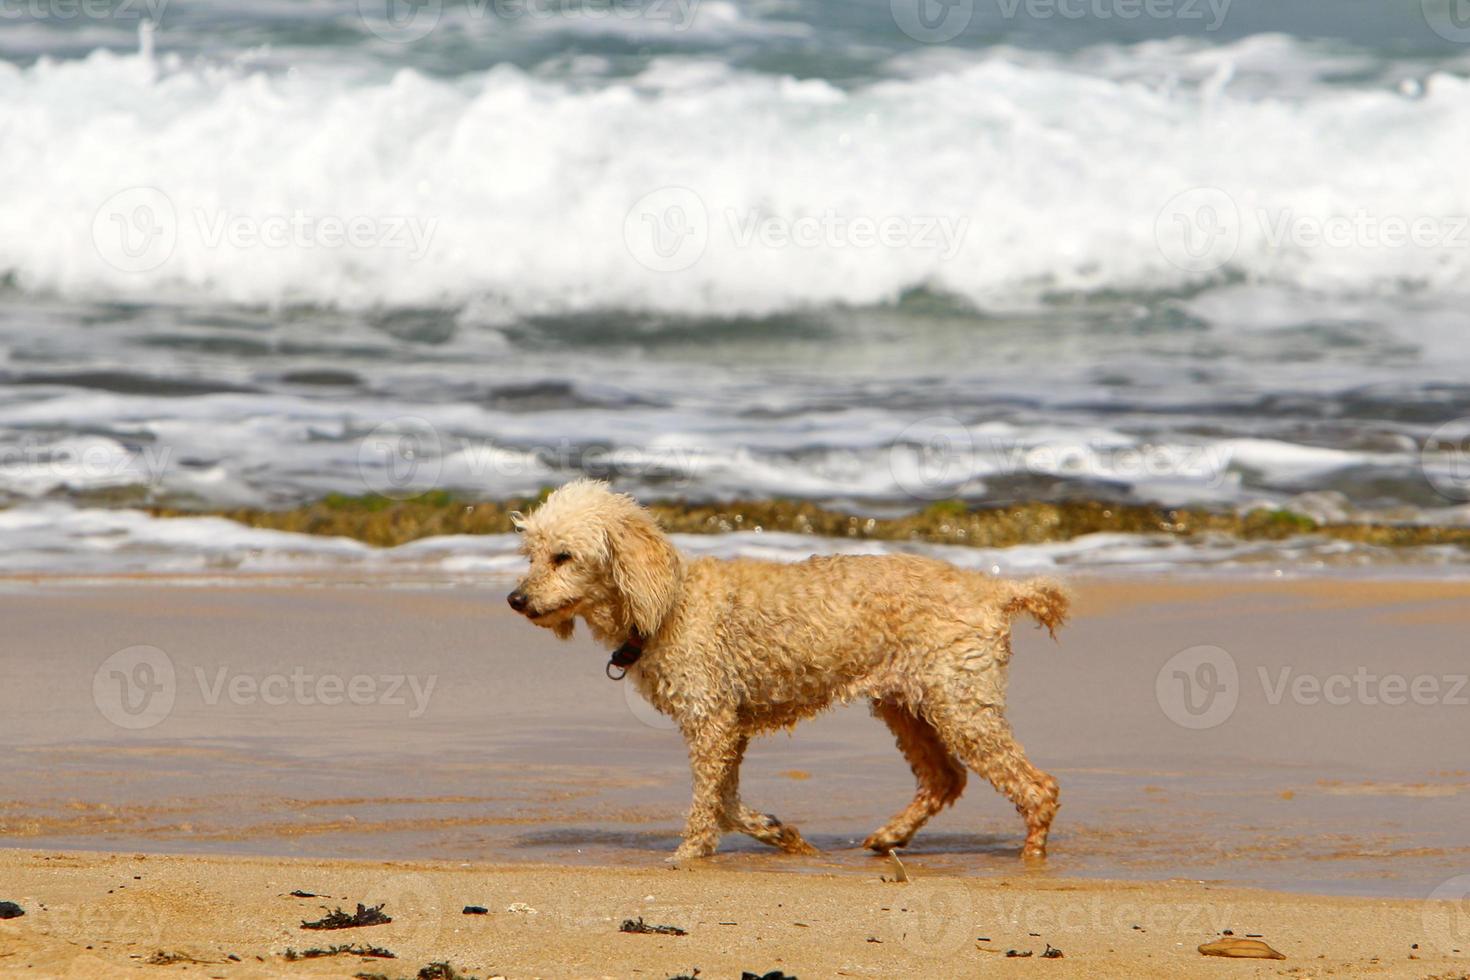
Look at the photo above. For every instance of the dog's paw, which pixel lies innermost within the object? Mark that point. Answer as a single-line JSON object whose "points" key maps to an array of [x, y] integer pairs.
{"points": [[688, 855], [790, 841], [882, 843]]}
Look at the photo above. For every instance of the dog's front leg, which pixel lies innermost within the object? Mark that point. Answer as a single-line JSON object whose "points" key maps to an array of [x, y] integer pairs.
{"points": [[714, 754]]}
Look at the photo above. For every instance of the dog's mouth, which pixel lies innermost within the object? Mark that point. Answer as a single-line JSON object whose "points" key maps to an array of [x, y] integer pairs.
{"points": [[565, 608]]}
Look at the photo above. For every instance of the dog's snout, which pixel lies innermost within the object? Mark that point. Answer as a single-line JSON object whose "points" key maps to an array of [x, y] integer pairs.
{"points": [[518, 600]]}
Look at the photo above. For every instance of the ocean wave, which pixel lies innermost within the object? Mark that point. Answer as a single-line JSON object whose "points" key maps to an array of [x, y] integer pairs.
{"points": [[696, 188]]}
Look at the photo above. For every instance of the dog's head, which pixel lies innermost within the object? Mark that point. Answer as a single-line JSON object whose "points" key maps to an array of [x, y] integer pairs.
{"points": [[598, 555]]}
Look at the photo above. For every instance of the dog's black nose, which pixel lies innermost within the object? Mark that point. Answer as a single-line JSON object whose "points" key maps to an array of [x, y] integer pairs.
{"points": [[518, 601]]}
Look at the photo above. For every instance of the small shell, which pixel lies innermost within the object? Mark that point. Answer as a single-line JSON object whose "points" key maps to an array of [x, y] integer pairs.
{"points": [[1252, 949]]}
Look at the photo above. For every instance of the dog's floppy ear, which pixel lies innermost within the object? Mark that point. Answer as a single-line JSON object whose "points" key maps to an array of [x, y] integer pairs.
{"points": [[645, 569]]}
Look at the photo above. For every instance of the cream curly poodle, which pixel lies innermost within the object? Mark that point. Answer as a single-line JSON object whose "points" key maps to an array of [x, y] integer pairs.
{"points": [[733, 649]]}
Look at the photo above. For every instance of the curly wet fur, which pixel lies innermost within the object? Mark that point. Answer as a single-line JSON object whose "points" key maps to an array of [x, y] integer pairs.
{"points": [[734, 649]]}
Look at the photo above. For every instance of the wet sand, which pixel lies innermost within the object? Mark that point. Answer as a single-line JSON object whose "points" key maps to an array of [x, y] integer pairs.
{"points": [[94, 915], [475, 735], [236, 725]]}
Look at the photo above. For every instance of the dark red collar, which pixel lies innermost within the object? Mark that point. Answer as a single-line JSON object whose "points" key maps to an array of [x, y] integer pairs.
{"points": [[626, 655]]}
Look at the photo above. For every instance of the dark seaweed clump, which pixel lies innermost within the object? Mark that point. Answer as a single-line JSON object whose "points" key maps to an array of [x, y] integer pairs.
{"points": [[337, 919], [638, 925], [369, 952]]}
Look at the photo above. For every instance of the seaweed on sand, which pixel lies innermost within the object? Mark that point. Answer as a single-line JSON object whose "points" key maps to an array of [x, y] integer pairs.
{"points": [[337, 919], [434, 971], [638, 925], [370, 952]]}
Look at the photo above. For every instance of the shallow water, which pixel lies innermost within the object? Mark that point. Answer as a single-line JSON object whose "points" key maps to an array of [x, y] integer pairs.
{"points": [[477, 737]]}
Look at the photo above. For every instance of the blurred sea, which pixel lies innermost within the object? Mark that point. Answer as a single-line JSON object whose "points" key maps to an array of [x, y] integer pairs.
{"points": [[870, 254]]}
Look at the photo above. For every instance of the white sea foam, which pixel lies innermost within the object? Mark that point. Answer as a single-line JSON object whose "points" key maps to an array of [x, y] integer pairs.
{"points": [[993, 178], [60, 539]]}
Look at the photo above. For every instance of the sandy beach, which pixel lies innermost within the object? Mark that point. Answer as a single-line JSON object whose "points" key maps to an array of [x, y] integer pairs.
{"points": [[305, 306], [185, 757], [94, 915]]}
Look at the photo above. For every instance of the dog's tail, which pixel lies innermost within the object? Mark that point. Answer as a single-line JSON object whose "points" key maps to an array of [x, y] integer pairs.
{"points": [[1043, 599]]}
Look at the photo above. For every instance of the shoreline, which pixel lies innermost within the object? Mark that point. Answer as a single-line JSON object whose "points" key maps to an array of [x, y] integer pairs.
{"points": [[105, 913], [387, 522]]}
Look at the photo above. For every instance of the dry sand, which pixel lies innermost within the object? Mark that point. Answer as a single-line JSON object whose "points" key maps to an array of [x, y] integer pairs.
{"points": [[99, 915]]}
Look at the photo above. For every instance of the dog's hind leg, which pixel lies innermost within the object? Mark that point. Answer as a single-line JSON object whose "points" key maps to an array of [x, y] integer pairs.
{"points": [[982, 738], [940, 778], [762, 826]]}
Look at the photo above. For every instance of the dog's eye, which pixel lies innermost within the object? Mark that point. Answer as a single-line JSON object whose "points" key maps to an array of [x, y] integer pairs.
{"points": [[561, 558]]}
